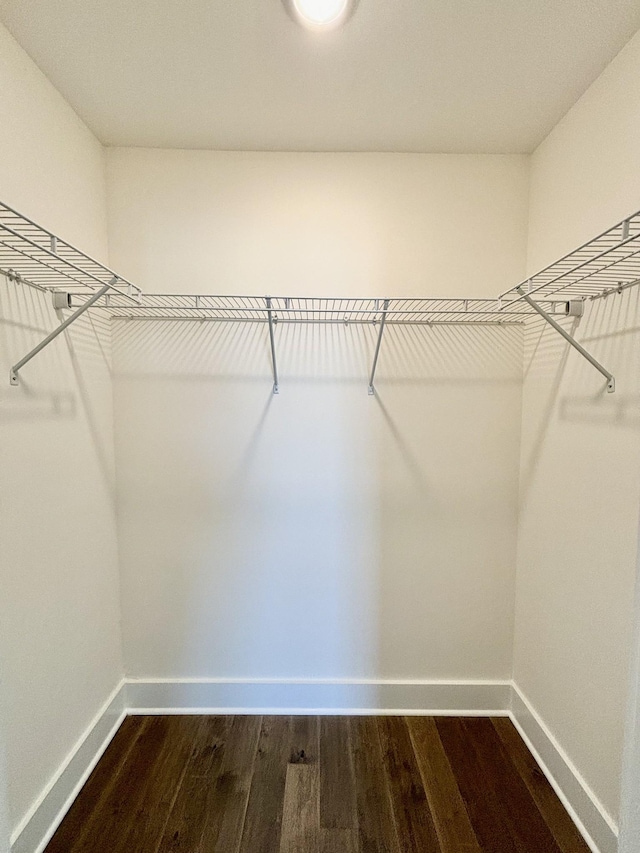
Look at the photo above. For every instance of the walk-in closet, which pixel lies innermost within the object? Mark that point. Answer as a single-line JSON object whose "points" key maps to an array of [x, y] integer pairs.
{"points": [[319, 426]]}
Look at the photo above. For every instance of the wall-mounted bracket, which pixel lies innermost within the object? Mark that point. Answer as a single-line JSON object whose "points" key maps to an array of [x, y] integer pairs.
{"points": [[13, 373], [276, 387], [383, 319], [61, 300], [611, 382]]}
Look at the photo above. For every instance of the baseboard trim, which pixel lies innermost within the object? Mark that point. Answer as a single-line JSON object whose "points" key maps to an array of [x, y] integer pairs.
{"points": [[300, 696], [35, 830], [291, 696], [238, 696], [596, 826]]}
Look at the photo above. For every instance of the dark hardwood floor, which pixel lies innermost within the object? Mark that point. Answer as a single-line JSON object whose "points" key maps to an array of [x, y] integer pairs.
{"points": [[317, 785]]}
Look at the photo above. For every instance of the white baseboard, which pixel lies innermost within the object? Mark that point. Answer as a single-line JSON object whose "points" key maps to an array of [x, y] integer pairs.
{"points": [[34, 831], [300, 696], [597, 827]]}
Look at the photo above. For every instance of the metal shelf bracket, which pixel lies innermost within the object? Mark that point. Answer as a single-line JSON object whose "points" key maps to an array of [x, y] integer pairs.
{"points": [[611, 382], [383, 319], [14, 378], [272, 321]]}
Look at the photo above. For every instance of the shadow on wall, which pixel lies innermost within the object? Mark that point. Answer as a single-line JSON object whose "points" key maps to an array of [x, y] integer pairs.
{"points": [[59, 609], [23, 322], [321, 533], [69, 381], [610, 331], [577, 542], [230, 351]]}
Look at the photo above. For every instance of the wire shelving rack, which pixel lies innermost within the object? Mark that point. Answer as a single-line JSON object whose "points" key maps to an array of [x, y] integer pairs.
{"points": [[33, 256]]}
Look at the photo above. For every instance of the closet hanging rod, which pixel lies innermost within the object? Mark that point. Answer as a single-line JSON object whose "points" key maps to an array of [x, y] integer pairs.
{"points": [[12, 275], [617, 289], [276, 322], [401, 310], [393, 316]]}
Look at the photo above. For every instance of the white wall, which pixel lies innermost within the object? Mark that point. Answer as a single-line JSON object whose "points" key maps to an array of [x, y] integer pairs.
{"points": [[317, 224], [580, 474], [59, 609], [4, 799], [584, 176], [630, 793], [321, 533], [52, 167]]}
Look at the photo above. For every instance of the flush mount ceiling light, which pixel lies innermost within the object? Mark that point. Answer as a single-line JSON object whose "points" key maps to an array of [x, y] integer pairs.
{"points": [[322, 14]]}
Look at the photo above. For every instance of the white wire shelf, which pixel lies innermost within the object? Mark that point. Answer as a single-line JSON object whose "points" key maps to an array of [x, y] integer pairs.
{"points": [[607, 264], [255, 309], [33, 256]]}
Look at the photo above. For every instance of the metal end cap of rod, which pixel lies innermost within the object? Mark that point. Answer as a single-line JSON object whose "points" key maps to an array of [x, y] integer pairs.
{"points": [[13, 378], [611, 386]]}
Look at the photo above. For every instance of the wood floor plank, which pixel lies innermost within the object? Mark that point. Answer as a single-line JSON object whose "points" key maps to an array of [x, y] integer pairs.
{"points": [[376, 826], [453, 827], [526, 825], [337, 783], [263, 820], [77, 822], [339, 841], [301, 809], [305, 743], [554, 813], [184, 828], [132, 816], [228, 794], [112, 816], [412, 814], [156, 792], [483, 807], [243, 784]]}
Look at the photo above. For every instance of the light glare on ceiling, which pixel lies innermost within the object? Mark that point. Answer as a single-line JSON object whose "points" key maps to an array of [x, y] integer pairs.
{"points": [[321, 13]]}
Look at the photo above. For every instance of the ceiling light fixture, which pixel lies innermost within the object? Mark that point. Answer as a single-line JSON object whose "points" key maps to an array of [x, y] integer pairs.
{"points": [[322, 14]]}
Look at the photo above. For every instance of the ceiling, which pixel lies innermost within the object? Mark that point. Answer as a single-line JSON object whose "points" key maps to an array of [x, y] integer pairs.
{"points": [[401, 75]]}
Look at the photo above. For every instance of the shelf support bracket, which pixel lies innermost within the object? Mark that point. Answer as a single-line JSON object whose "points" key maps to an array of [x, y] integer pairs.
{"points": [[385, 306], [13, 373], [276, 387], [611, 382]]}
